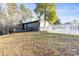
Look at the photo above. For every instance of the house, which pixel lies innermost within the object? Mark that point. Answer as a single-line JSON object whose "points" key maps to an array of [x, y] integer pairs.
{"points": [[28, 26], [31, 25], [64, 29]]}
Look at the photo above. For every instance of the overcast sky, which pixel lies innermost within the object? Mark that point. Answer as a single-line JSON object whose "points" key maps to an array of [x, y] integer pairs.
{"points": [[65, 11]]}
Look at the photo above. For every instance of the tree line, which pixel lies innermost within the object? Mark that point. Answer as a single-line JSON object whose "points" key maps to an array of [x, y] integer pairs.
{"points": [[11, 15]]}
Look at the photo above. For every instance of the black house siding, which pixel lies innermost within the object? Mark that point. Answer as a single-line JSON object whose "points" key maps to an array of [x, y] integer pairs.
{"points": [[30, 26]]}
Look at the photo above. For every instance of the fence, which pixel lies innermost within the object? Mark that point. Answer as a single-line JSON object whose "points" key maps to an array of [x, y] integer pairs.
{"points": [[63, 29]]}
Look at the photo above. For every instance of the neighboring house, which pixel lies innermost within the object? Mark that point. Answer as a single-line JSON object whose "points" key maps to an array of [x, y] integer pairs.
{"points": [[28, 26], [64, 29]]}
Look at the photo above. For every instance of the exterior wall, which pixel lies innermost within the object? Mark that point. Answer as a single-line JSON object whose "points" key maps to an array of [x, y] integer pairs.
{"points": [[34, 26]]}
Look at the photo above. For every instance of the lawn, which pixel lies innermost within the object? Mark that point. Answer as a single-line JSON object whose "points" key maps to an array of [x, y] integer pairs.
{"points": [[39, 44]]}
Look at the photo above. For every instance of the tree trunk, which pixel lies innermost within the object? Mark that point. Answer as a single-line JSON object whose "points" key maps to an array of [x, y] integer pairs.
{"points": [[14, 30], [44, 23], [45, 18], [3, 31], [7, 30]]}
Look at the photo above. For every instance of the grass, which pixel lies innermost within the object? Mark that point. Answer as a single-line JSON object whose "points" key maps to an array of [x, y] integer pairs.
{"points": [[39, 44]]}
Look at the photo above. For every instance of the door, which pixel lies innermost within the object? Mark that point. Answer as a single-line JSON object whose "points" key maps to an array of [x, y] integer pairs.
{"points": [[23, 26]]}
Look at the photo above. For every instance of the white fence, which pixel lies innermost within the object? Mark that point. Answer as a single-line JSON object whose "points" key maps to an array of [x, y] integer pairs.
{"points": [[63, 29]]}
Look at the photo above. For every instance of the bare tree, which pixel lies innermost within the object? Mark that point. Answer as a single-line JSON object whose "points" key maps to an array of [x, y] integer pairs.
{"points": [[11, 16]]}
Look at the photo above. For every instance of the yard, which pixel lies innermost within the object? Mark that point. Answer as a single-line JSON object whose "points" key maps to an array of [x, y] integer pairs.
{"points": [[39, 44]]}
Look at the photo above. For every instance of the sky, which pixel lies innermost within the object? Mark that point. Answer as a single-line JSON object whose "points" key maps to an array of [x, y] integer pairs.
{"points": [[65, 11]]}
